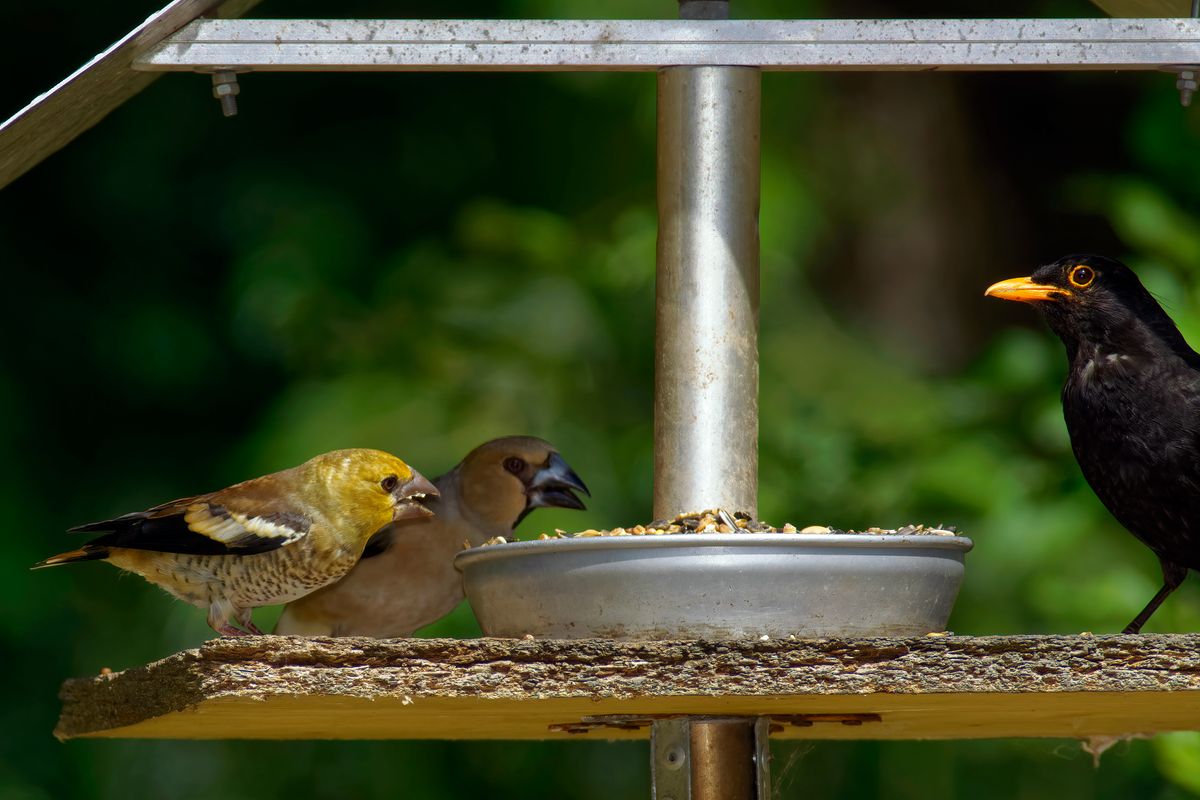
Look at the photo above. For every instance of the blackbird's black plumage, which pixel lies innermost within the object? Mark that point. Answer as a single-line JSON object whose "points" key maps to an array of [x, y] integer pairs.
{"points": [[1131, 403]]}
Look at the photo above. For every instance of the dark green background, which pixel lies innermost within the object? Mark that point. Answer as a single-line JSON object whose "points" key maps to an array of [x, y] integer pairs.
{"points": [[421, 262]]}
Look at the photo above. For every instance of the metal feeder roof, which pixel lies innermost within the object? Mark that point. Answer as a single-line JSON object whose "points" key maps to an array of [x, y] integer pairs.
{"points": [[177, 38]]}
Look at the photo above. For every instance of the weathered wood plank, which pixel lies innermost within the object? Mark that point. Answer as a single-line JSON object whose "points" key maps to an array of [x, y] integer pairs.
{"points": [[87, 95], [932, 687]]}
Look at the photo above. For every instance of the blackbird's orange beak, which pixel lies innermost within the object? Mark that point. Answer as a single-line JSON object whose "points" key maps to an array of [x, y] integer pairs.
{"points": [[1024, 290]]}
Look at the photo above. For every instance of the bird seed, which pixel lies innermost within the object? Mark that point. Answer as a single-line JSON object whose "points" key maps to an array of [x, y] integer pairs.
{"points": [[711, 521]]}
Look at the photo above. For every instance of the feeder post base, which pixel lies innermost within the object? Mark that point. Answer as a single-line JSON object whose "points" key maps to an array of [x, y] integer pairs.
{"points": [[700, 758]]}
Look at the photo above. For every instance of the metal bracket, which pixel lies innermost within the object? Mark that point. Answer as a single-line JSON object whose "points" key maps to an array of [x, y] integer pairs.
{"points": [[671, 759]]}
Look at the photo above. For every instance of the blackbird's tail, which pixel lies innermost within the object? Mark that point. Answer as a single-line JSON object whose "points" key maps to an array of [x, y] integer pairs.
{"points": [[89, 552]]}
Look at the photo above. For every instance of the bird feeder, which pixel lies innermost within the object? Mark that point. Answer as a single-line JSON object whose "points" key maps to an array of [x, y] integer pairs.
{"points": [[708, 724]]}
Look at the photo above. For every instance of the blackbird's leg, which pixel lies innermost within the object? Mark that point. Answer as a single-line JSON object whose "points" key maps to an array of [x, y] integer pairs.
{"points": [[1173, 575]]}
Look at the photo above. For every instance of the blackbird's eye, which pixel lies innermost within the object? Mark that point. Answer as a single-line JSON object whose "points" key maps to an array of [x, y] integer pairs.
{"points": [[1081, 277], [389, 483], [514, 465]]}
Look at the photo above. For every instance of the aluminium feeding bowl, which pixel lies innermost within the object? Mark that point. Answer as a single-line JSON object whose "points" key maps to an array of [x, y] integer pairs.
{"points": [[716, 585]]}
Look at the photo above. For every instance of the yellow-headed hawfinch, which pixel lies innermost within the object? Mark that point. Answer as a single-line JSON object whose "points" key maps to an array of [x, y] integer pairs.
{"points": [[265, 541]]}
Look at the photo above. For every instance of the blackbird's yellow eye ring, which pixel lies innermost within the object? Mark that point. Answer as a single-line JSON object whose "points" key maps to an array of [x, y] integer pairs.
{"points": [[1082, 276]]}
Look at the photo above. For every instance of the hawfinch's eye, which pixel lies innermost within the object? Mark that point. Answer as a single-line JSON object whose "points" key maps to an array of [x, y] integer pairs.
{"points": [[1082, 277], [514, 465], [390, 483]]}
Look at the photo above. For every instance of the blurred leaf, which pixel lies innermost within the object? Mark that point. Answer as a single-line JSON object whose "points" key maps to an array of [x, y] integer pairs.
{"points": [[1178, 755]]}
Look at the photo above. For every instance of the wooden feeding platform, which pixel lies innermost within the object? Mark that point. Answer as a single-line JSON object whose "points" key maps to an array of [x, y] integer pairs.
{"points": [[933, 687], [707, 705]]}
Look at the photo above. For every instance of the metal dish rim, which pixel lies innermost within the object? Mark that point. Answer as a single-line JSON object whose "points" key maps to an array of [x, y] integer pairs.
{"points": [[852, 541]]}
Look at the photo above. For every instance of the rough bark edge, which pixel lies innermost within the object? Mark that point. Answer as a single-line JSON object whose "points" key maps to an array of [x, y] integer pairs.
{"points": [[265, 666]]}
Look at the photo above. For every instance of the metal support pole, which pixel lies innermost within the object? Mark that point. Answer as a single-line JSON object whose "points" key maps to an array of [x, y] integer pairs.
{"points": [[723, 760], [706, 365], [696, 758], [706, 368]]}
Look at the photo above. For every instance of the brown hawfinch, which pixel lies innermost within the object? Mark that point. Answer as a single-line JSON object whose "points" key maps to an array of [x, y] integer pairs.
{"points": [[406, 578]]}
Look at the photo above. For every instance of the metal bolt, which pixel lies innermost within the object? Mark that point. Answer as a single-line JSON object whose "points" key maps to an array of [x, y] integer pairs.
{"points": [[226, 89], [1187, 80], [675, 758], [1187, 86], [1186, 83]]}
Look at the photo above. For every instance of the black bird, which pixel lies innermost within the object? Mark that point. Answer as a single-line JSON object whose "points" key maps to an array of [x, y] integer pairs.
{"points": [[1131, 402]]}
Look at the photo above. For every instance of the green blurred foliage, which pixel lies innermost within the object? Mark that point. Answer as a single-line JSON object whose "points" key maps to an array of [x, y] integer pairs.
{"points": [[422, 262]]}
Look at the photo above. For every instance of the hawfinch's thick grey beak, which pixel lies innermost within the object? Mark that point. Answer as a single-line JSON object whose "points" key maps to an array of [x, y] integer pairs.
{"points": [[552, 485]]}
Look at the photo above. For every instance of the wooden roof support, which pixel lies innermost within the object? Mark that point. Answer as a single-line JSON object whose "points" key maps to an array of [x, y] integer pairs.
{"points": [[922, 688], [87, 95]]}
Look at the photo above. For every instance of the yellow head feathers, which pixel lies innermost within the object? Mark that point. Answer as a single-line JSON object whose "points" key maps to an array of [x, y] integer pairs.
{"points": [[369, 486]]}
